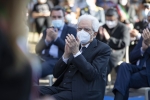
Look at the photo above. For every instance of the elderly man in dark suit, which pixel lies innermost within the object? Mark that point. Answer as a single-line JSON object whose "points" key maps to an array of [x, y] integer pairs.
{"points": [[136, 74], [81, 72], [51, 46], [116, 35]]}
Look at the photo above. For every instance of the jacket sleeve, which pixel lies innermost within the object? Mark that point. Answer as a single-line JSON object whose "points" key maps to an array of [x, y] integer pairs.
{"points": [[59, 68], [41, 45], [135, 54], [121, 43], [92, 71]]}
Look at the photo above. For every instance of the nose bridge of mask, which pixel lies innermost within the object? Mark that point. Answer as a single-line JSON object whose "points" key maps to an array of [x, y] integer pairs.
{"points": [[110, 22]]}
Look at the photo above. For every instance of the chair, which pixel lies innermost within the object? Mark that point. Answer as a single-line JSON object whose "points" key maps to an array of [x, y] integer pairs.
{"points": [[126, 59], [48, 81]]}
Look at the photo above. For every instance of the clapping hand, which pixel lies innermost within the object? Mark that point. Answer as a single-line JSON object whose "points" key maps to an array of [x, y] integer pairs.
{"points": [[103, 33], [51, 34], [73, 43], [146, 39]]}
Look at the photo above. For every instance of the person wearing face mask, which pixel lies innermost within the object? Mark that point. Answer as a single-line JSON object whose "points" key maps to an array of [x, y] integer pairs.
{"points": [[139, 27], [126, 11], [94, 10], [41, 14], [136, 73], [51, 46], [116, 35], [81, 71]]}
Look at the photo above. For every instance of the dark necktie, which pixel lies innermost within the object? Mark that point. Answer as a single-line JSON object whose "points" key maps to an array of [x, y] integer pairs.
{"points": [[83, 49], [143, 60]]}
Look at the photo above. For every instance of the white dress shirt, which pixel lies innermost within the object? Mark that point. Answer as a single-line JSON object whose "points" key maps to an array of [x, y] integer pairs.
{"points": [[77, 54], [138, 62]]}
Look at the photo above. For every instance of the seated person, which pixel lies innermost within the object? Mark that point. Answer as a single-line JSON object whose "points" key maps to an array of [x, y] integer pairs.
{"points": [[116, 35], [140, 26], [51, 46], [136, 74], [81, 72], [41, 13], [94, 10]]}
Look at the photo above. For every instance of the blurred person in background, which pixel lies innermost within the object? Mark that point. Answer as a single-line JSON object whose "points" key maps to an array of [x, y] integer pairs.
{"points": [[41, 14], [116, 35], [30, 7], [70, 11], [56, 2], [136, 73], [139, 27], [81, 71], [94, 10], [78, 5], [15, 67], [126, 11], [141, 10], [106, 4], [51, 46]]}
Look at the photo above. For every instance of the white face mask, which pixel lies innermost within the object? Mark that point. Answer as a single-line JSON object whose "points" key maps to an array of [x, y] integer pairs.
{"points": [[123, 2], [145, 13], [57, 23], [111, 24], [83, 36]]}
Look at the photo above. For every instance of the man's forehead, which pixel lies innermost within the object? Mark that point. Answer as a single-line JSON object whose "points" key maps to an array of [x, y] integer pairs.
{"points": [[111, 17], [85, 22]]}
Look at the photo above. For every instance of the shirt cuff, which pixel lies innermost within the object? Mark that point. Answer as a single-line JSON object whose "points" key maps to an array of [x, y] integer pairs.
{"points": [[65, 60], [142, 52], [138, 36], [77, 54], [47, 43]]}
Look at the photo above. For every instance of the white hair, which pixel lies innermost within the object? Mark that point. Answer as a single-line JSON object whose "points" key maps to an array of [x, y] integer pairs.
{"points": [[95, 22]]}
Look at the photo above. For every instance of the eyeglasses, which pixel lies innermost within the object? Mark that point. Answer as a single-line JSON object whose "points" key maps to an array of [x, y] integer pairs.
{"points": [[85, 29]]}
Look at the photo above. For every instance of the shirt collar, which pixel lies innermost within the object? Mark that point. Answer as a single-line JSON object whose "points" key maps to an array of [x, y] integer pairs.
{"points": [[85, 45], [62, 27]]}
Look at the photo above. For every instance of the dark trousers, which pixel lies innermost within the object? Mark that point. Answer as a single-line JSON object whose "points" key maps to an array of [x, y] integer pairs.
{"points": [[130, 76], [56, 92], [47, 66]]}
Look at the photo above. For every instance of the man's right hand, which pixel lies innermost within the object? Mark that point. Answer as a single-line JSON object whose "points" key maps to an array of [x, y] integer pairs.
{"points": [[51, 34], [146, 39], [134, 33], [67, 52]]}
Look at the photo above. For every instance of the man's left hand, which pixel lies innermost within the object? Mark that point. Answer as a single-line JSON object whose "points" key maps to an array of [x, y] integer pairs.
{"points": [[106, 35], [146, 37], [73, 44]]}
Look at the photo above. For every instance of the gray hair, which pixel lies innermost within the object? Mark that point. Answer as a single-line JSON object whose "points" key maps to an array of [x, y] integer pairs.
{"points": [[95, 22]]}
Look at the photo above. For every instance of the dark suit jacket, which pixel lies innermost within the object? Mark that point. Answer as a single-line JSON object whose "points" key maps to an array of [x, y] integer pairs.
{"points": [[119, 39], [89, 81], [60, 42], [135, 55]]}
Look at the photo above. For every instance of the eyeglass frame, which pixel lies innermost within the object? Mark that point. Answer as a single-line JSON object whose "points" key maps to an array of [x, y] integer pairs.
{"points": [[85, 29]]}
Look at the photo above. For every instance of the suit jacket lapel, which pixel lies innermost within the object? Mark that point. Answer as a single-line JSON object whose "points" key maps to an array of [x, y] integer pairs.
{"points": [[90, 48], [64, 32]]}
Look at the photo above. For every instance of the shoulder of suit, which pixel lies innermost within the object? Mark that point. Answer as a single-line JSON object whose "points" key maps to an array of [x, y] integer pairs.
{"points": [[121, 24], [102, 44], [70, 27]]}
